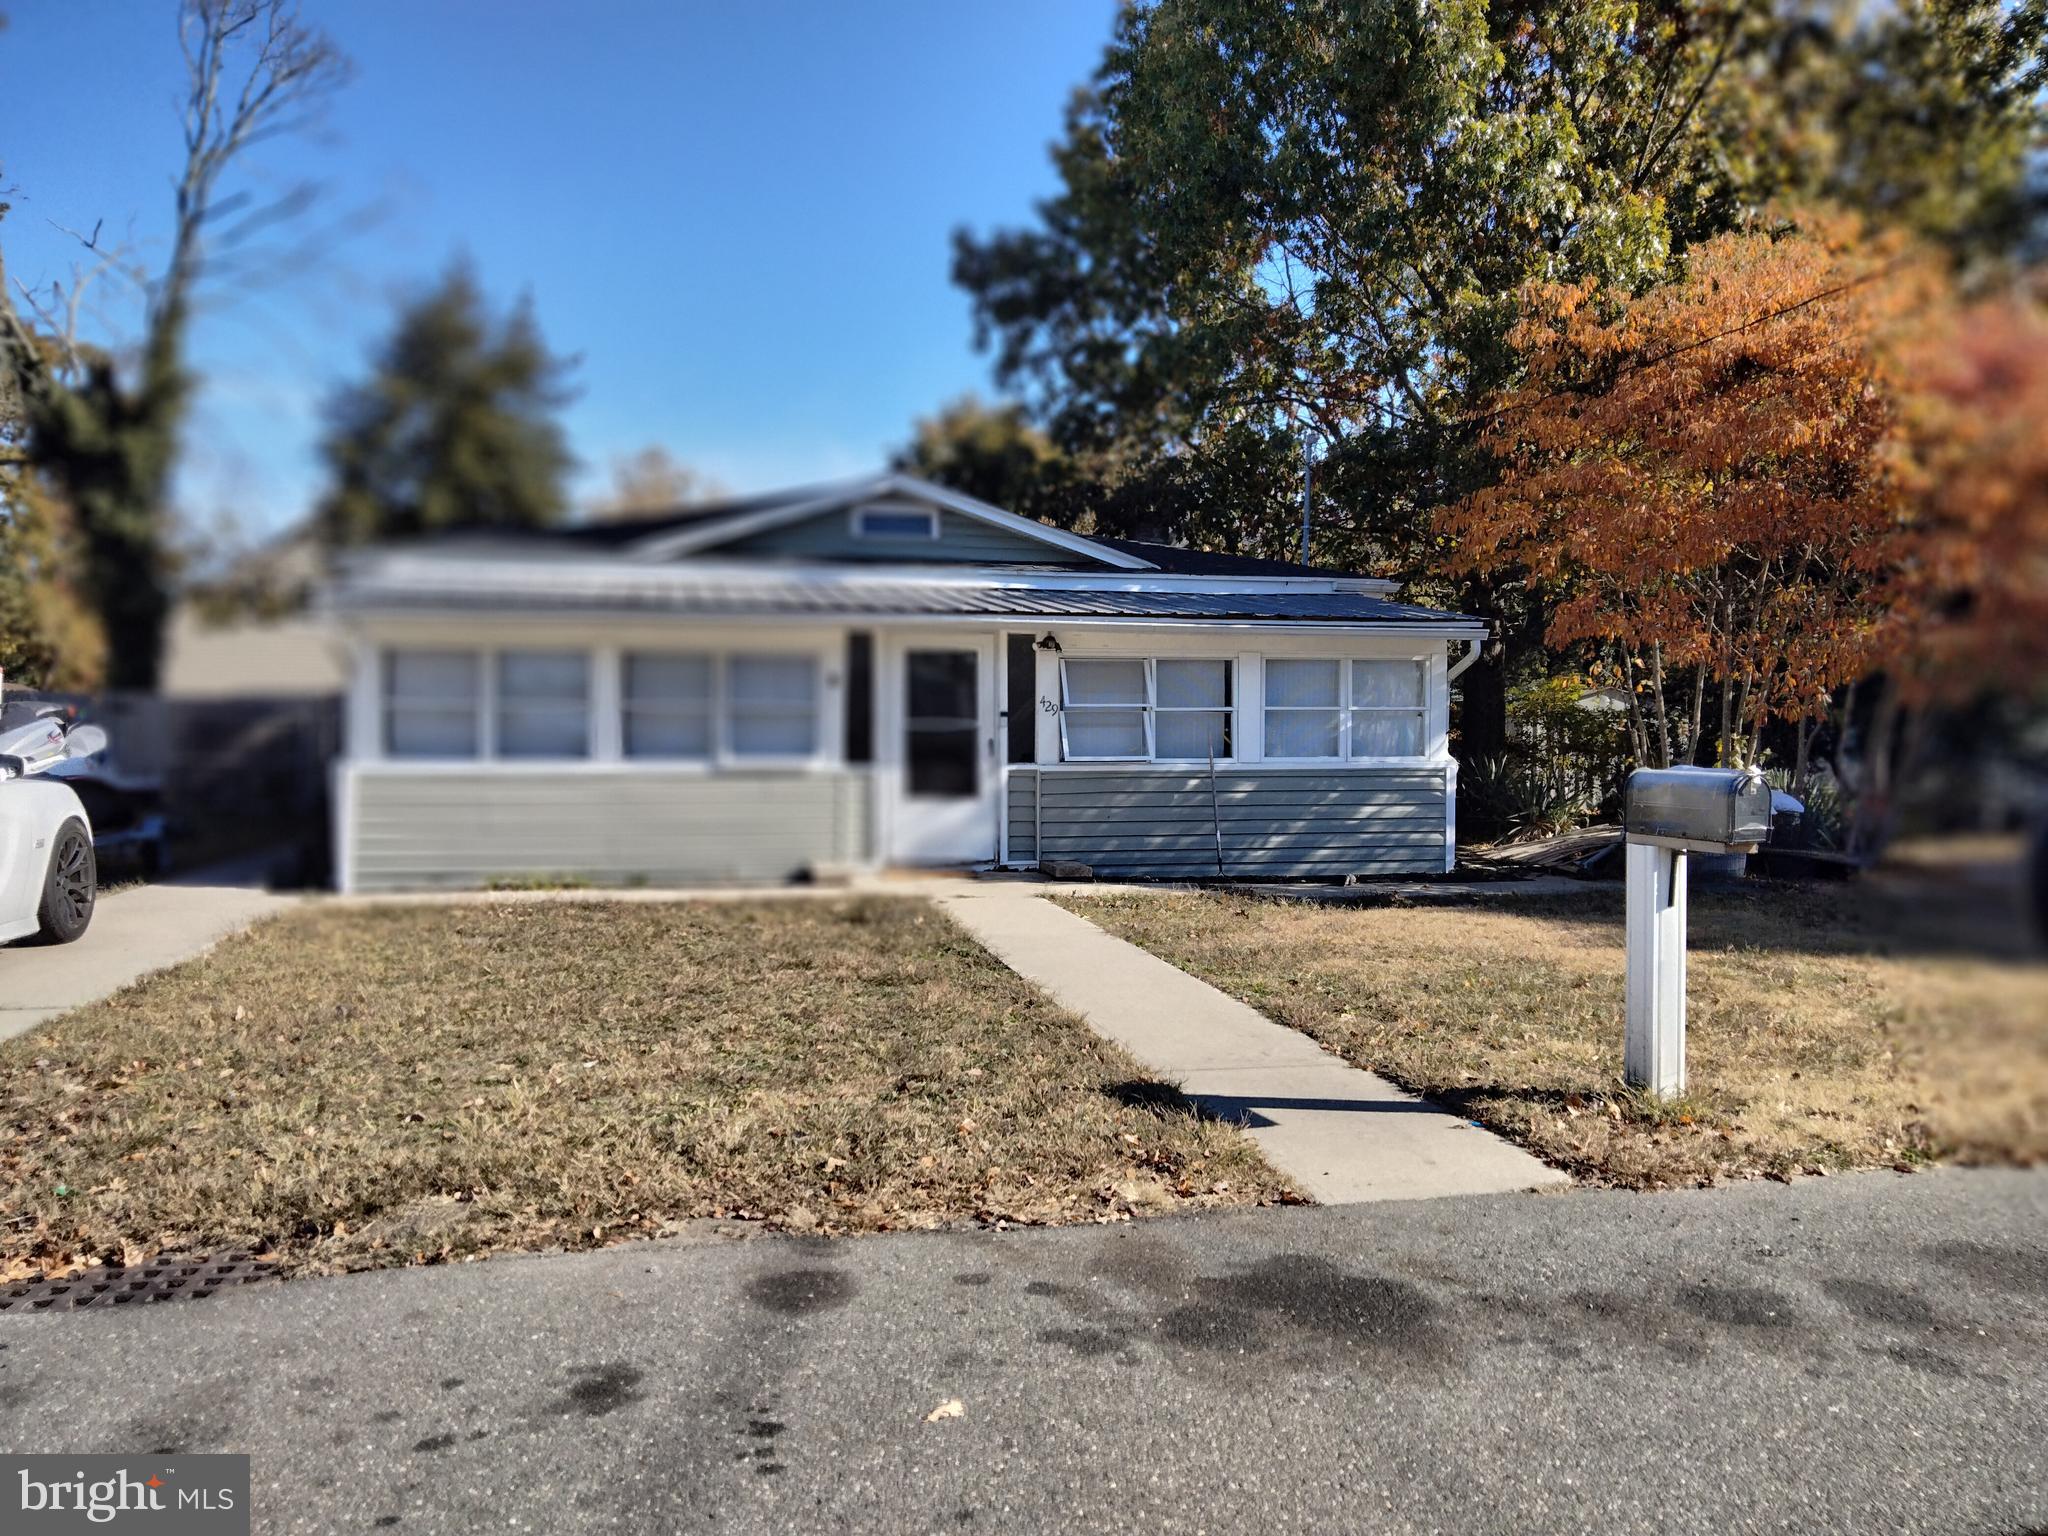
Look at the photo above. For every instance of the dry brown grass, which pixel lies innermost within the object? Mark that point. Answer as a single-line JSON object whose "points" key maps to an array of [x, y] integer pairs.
{"points": [[1816, 1042], [367, 1087]]}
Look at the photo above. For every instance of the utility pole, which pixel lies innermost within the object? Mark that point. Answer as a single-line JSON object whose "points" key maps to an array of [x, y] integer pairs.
{"points": [[1308, 475]]}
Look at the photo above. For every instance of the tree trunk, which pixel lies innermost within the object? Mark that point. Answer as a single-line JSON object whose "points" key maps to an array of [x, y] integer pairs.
{"points": [[1638, 732], [1657, 696], [1483, 690], [1871, 827]]}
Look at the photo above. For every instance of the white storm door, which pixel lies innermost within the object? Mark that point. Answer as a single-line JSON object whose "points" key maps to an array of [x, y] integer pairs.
{"points": [[943, 718]]}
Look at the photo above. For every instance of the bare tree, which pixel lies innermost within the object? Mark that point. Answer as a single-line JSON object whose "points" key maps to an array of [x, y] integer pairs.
{"points": [[651, 483], [104, 437]]}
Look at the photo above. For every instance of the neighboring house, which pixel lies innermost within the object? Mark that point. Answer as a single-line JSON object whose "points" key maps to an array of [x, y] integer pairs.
{"points": [[270, 645], [879, 673]]}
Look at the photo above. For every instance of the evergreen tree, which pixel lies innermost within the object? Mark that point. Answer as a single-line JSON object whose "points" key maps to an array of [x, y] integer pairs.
{"points": [[455, 427]]}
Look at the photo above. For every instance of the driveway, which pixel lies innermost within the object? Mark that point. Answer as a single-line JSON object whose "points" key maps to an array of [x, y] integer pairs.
{"points": [[1851, 1354], [135, 930]]}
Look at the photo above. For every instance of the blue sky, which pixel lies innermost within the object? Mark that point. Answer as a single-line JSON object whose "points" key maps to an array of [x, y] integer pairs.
{"points": [[736, 215]]}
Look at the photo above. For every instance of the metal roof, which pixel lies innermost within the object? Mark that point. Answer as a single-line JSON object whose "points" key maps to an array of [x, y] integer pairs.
{"points": [[624, 534], [473, 590]]}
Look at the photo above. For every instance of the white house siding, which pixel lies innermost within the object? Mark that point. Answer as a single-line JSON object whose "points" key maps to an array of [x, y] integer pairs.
{"points": [[1161, 822], [453, 828]]}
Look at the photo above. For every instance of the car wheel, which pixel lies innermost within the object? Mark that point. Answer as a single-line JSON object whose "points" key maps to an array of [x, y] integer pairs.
{"points": [[69, 887]]}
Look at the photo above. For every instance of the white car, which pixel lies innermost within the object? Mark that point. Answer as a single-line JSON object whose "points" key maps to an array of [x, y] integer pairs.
{"points": [[48, 876]]}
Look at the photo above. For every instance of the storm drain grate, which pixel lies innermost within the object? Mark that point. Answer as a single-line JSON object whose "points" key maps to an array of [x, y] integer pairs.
{"points": [[120, 1285]]}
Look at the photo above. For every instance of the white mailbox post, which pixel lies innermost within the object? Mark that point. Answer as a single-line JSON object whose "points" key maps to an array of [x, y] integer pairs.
{"points": [[1669, 813]]}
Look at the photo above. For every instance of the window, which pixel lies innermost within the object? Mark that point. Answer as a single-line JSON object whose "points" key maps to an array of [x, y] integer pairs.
{"points": [[942, 723], [771, 706], [1343, 709], [1170, 710], [1386, 708], [886, 521], [667, 703], [670, 703], [543, 704], [1102, 709], [430, 704], [1191, 710]]}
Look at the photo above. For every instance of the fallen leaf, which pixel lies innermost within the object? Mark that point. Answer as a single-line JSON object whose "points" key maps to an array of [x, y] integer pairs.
{"points": [[951, 1408]]}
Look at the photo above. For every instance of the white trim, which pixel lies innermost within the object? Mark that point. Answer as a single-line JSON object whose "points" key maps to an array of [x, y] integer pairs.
{"points": [[398, 568], [1039, 623], [1199, 768], [344, 792], [607, 703], [896, 809], [718, 531], [1451, 814]]}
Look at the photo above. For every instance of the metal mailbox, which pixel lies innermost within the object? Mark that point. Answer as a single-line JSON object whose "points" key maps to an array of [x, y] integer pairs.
{"points": [[1702, 810], [1669, 813]]}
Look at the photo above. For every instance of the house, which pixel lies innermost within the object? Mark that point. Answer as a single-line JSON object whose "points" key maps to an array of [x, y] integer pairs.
{"points": [[879, 673]]}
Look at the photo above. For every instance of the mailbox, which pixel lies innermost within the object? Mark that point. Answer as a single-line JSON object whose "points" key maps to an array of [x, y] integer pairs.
{"points": [[1698, 810], [1669, 813]]}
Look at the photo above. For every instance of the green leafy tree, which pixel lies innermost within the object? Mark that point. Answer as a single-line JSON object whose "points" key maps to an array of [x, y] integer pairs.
{"points": [[996, 454], [1309, 219], [456, 426]]}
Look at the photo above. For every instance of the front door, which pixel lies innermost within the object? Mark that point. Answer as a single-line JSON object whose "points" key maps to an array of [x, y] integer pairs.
{"points": [[944, 809]]}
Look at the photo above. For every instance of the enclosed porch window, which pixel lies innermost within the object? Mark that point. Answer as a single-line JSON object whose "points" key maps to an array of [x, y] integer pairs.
{"points": [[1337, 709], [1144, 709]]}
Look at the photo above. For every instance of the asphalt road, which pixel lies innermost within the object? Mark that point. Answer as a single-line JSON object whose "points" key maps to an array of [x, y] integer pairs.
{"points": [[1866, 1354]]}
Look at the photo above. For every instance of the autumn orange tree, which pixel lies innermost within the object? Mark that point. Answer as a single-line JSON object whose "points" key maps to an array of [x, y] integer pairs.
{"points": [[1974, 457], [1701, 479]]}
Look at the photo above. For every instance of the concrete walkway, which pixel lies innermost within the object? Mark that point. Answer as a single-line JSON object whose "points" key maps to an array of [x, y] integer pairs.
{"points": [[1341, 1134], [134, 931]]}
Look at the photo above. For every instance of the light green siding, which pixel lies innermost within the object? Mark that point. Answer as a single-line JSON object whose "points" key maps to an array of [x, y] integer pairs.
{"points": [[961, 541], [1163, 823], [455, 830]]}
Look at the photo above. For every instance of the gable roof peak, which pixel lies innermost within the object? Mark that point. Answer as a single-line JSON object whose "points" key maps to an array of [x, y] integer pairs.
{"points": [[708, 532]]}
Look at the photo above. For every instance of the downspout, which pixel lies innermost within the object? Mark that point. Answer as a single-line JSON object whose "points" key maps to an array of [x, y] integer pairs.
{"points": [[1451, 768]]}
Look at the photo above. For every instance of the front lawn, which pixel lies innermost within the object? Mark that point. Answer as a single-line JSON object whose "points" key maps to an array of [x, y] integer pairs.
{"points": [[1820, 1037], [346, 1088]]}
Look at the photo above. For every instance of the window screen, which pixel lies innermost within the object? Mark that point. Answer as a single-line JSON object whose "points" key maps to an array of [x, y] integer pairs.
{"points": [[667, 704], [1173, 709], [1386, 708], [430, 704], [772, 706], [1191, 709], [1304, 708], [1344, 709], [543, 704], [1103, 714]]}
